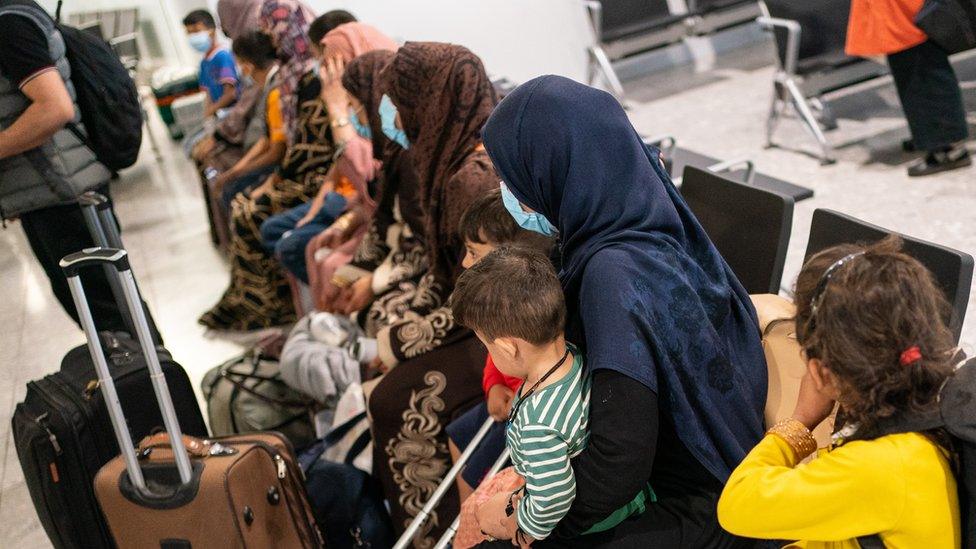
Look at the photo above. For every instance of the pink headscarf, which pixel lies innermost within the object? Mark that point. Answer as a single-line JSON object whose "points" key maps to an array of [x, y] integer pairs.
{"points": [[350, 40]]}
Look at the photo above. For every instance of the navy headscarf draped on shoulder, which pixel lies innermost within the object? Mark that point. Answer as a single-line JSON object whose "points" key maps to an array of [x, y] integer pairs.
{"points": [[648, 294]]}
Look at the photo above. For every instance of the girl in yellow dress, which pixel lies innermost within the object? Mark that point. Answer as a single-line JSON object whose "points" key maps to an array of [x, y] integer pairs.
{"points": [[871, 324]]}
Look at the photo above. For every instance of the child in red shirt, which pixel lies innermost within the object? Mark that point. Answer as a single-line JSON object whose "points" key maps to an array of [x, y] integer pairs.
{"points": [[485, 226]]}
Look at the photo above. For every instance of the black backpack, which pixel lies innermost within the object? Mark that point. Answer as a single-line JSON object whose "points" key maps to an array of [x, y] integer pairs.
{"points": [[957, 416], [106, 96]]}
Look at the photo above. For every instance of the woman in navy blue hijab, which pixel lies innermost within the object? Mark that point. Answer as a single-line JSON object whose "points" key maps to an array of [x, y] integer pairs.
{"points": [[679, 375]]}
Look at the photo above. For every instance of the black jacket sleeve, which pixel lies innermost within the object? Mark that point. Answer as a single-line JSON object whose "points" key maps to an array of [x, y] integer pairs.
{"points": [[619, 456]]}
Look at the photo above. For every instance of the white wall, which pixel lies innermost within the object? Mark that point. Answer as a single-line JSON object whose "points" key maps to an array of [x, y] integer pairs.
{"points": [[165, 16], [519, 39]]}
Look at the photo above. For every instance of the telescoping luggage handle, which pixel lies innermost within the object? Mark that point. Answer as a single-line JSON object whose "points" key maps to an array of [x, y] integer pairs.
{"points": [[120, 261], [97, 211]]}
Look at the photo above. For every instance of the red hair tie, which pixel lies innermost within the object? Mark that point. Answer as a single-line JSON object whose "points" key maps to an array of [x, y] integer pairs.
{"points": [[910, 356]]}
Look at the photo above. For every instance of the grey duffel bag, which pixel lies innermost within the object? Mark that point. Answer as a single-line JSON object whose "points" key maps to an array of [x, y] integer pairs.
{"points": [[246, 394]]}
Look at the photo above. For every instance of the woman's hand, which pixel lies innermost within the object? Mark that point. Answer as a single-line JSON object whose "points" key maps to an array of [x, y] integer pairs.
{"points": [[813, 405], [499, 402], [333, 94], [492, 519], [359, 295]]}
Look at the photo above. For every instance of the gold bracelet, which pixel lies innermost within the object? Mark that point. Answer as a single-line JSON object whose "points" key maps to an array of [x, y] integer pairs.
{"points": [[796, 435]]}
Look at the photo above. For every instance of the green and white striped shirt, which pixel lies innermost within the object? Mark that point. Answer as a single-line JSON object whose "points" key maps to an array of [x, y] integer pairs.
{"points": [[549, 429]]}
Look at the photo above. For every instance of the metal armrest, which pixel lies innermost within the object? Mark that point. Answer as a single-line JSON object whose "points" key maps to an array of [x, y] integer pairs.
{"points": [[792, 39], [126, 47], [665, 143], [730, 165], [123, 38], [595, 10]]}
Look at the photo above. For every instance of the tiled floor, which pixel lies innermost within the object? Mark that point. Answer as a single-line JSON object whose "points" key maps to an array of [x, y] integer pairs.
{"points": [[720, 113]]}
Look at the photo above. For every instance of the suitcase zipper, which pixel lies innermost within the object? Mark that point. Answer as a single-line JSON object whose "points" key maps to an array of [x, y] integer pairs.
{"points": [[282, 468], [53, 404], [41, 422], [282, 471]]}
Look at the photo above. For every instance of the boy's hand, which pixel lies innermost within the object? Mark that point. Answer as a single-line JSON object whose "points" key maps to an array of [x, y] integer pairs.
{"points": [[492, 519], [500, 402]]}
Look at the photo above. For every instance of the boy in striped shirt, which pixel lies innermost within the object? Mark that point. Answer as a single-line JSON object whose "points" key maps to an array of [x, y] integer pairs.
{"points": [[513, 301]]}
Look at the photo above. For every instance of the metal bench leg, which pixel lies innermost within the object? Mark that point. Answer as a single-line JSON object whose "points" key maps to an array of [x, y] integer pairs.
{"points": [[824, 113], [602, 62], [149, 132], [810, 121], [775, 112]]}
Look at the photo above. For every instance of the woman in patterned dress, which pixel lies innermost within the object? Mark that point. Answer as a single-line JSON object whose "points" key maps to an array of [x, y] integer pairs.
{"points": [[259, 296], [443, 98]]}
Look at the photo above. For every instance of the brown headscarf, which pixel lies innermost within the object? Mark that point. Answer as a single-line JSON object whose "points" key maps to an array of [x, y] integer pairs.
{"points": [[361, 80], [238, 16], [350, 40], [444, 97]]}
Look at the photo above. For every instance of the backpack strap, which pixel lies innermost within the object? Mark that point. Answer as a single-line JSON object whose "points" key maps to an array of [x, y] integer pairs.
{"points": [[358, 446], [339, 431]]}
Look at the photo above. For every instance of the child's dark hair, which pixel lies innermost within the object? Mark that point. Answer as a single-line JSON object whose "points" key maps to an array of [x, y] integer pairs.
{"points": [[861, 318], [328, 21], [486, 221], [511, 292], [200, 16], [255, 47]]}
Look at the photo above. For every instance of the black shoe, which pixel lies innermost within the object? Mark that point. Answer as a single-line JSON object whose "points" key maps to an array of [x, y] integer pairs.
{"points": [[908, 145], [940, 161]]}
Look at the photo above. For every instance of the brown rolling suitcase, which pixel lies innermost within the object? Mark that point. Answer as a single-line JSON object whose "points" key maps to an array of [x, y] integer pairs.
{"points": [[177, 492]]}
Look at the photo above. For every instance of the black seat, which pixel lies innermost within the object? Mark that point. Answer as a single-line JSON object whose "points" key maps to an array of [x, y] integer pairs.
{"points": [[750, 226], [709, 6], [824, 31], [953, 270], [626, 18]]}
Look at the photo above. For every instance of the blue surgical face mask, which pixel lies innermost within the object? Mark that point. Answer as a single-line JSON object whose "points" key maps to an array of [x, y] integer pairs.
{"points": [[530, 221], [388, 114], [363, 131], [200, 41]]}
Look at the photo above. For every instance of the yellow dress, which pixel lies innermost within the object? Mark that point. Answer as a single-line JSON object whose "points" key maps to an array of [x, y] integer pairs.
{"points": [[900, 486]]}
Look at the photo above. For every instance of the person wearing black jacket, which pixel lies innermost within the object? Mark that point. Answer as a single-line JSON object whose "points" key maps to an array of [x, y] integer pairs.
{"points": [[41, 161]]}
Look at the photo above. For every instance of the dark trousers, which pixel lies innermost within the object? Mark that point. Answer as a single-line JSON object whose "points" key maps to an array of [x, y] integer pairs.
{"points": [[930, 96], [244, 183], [57, 231], [285, 240]]}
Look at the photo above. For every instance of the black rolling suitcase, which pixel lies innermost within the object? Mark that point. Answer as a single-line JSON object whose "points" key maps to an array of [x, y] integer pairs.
{"points": [[63, 433]]}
